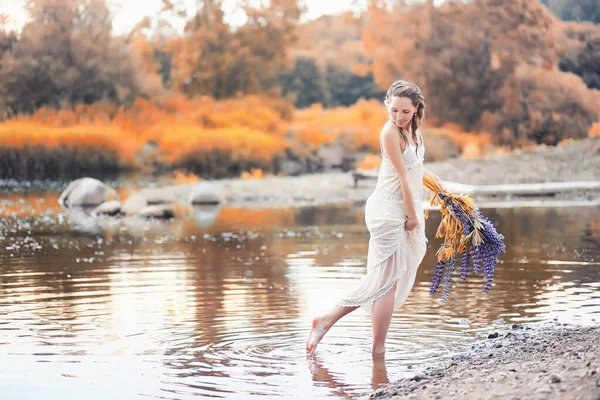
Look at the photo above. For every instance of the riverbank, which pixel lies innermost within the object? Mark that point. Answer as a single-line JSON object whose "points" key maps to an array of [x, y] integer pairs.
{"points": [[570, 162], [550, 361]]}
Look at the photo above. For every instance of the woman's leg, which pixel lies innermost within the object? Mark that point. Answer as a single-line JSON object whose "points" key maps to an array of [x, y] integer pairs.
{"points": [[382, 311], [320, 325]]}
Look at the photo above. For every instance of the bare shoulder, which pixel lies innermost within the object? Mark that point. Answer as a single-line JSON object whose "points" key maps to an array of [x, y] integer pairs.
{"points": [[388, 131]]}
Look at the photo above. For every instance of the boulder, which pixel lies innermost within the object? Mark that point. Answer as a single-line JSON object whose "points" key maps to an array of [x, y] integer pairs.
{"points": [[163, 211], [111, 208], [86, 192], [332, 155], [133, 204], [203, 193], [292, 168]]}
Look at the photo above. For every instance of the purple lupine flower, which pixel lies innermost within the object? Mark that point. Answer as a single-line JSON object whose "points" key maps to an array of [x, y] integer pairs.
{"points": [[482, 256], [475, 255], [464, 265], [437, 277], [447, 283]]}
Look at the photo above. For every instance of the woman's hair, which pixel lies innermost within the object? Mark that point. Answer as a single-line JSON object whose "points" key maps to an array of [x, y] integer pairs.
{"points": [[407, 89]]}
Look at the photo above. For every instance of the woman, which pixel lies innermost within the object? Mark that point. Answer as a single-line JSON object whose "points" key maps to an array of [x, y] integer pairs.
{"points": [[395, 219]]}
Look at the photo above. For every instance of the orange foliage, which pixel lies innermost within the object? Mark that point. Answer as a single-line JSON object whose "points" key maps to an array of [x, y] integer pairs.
{"points": [[358, 125], [472, 145], [22, 132], [594, 130], [255, 173], [251, 127], [332, 40], [182, 178], [371, 161]]}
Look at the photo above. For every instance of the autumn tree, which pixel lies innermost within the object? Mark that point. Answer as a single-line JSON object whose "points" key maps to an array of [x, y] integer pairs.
{"points": [[66, 55], [213, 59], [325, 56], [465, 56], [582, 52], [544, 106]]}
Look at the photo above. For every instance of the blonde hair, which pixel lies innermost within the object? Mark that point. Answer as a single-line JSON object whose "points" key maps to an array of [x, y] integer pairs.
{"points": [[411, 91]]}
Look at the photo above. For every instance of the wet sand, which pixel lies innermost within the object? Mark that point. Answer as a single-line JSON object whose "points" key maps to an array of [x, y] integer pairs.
{"points": [[544, 361]]}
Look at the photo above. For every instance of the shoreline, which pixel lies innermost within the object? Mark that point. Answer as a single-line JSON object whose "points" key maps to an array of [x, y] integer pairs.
{"points": [[520, 361], [568, 174]]}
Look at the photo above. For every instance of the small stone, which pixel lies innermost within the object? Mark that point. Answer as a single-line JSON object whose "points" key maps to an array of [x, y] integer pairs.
{"points": [[554, 378], [493, 335]]}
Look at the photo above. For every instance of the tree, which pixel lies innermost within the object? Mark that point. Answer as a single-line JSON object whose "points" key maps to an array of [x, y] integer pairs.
{"points": [[472, 60], [544, 106], [305, 83], [212, 59], [346, 87], [582, 52], [576, 10], [67, 55]]}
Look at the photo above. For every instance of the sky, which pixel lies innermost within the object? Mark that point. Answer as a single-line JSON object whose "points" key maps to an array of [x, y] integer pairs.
{"points": [[130, 12]]}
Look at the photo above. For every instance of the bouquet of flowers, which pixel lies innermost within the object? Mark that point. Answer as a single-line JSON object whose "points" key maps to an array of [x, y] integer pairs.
{"points": [[466, 233]]}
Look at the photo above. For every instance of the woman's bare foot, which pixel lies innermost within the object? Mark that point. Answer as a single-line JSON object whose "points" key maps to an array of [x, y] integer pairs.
{"points": [[318, 330]]}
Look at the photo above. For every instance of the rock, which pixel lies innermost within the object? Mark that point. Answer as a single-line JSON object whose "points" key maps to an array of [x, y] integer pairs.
{"points": [[108, 208], [86, 192], [292, 168], [331, 154], [163, 211], [204, 193], [133, 204], [555, 378], [493, 335]]}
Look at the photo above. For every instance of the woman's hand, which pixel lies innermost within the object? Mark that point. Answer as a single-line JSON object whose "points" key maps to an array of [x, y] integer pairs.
{"points": [[411, 223]]}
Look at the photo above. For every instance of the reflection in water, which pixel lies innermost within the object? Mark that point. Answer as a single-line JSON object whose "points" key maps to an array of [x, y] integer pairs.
{"points": [[219, 305]]}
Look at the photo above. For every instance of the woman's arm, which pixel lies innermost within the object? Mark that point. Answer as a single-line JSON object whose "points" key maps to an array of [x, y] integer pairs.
{"points": [[391, 146]]}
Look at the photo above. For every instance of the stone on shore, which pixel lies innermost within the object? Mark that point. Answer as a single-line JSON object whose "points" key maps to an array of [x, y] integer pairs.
{"points": [[203, 193], [163, 211], [86, 192], [110, 208]]}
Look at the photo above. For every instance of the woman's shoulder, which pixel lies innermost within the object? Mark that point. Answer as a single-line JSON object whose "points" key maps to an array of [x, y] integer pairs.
{"points": [[388, 129]]}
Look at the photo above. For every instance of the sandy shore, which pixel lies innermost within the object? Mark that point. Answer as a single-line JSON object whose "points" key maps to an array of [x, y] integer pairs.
{"points": [[549, 361]]}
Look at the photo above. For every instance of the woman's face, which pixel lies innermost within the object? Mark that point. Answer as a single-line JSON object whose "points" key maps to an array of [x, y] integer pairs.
{"points": [[401, 111]]}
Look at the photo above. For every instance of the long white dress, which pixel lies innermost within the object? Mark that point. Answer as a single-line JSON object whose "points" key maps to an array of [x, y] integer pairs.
{"points": [[394, 253]]}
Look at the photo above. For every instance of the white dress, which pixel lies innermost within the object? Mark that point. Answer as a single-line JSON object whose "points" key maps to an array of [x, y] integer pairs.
{"points": [[394, 254]]}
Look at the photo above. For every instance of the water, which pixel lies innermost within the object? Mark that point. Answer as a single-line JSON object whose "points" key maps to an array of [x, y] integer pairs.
{"points": [[218, 305]]}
